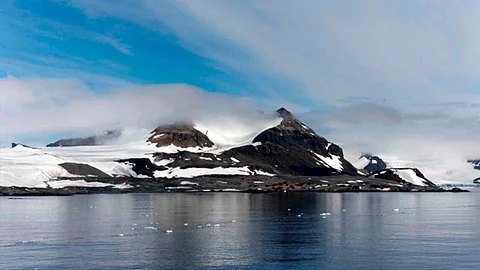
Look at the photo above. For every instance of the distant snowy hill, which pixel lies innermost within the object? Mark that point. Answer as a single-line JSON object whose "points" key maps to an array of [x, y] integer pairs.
{"points": [[440, 171], [403, 175], [279, 145]]}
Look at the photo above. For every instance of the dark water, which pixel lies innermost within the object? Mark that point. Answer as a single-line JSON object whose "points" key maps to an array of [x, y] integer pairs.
{"points": [[429, 231]]}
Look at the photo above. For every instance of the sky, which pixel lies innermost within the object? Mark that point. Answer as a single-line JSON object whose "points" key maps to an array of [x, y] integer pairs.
{"points": [[374, 76]]}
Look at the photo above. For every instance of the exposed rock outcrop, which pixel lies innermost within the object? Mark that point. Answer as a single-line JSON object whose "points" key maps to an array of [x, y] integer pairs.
{"points": [[181, 135], [83, 169], [375, 163], [88, 141], [290, 148]]}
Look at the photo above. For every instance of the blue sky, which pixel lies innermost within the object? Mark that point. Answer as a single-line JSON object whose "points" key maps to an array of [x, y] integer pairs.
{"points": [[349, 68]]}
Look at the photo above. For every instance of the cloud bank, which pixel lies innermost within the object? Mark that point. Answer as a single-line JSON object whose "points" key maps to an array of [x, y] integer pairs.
{"points": [[42, 107]]}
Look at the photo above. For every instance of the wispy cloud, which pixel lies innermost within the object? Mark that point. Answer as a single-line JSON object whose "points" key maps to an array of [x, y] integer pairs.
{"points": [[123, 48]]}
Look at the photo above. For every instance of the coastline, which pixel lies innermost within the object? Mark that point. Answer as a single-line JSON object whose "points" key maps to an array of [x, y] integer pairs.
{"points": [[249, 184]]}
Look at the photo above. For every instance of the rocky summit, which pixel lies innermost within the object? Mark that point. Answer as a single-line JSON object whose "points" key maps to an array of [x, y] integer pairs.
{"points": [[181, 135]]}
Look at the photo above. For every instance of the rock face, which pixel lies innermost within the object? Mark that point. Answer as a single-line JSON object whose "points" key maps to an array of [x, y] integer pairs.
{"points": [[404, 175], [290, 148], [375, 163], [181, 135], [88, 141], [83, 169]]}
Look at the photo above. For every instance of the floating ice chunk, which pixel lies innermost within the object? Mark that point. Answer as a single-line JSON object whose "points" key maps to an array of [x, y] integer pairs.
{"points": [[151, 228], [325, 214], [396, 210], [216, 225], [186, 224], [169, 231]]}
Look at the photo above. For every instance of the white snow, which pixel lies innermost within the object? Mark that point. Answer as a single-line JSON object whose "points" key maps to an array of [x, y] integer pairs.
{"points": [[193, 172], [235, 160], [158, 136], [27, 167], [164, 162], [410, 176], [227, 134], [361, 162], [328, 145], [332, 162], [440, 171], [188, 183], [205, 158], [260, 172], [82, 183]]}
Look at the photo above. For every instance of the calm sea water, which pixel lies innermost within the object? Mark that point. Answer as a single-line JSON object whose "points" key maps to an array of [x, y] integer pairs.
{"points": [[249, 231]]}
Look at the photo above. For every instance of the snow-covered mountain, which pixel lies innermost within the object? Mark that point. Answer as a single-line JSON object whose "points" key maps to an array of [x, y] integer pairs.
{"points": [[278, 145], [406, 175], [441, 171], [369, 163]]}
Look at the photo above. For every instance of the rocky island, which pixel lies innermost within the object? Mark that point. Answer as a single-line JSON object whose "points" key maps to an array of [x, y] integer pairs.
{"points": [[277, 154]]}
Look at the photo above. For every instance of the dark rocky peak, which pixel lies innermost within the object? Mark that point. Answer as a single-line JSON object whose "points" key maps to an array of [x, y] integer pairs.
{"points": [[375, 163], [21, 144], [181, 135], [87, 141], [285, 114], [290, 123], [297, 149], [476, 163]]}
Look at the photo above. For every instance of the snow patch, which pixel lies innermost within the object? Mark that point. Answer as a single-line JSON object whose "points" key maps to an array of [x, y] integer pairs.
{"points": [[260, 172], [410, 176], [333, 162], [193, 172]]}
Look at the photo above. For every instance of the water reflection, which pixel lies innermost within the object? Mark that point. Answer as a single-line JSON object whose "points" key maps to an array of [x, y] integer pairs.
{"points": [[368, 230]]}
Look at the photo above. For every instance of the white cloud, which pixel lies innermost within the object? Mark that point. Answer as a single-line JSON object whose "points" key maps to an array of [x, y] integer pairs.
{"points": [[52, 106]]}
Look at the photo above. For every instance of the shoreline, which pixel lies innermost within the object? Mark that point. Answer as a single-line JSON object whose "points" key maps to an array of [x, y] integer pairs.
{"points": [[238, 184]]}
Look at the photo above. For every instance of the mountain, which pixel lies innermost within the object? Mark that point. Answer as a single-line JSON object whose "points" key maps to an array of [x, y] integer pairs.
{"points": [[404, 175], [88, 141], [288, 148], [369, 163], [229, 153]]}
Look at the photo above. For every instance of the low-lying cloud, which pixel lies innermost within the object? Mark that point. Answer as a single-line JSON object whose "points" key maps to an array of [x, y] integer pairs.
{"points": [[46, 107]]}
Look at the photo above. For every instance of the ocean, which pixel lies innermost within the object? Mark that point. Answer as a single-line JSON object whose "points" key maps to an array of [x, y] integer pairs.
{"points": [[242, 231]]}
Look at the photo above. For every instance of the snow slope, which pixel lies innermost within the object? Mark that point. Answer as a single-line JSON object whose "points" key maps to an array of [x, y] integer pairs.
{"points": [[229, 134], [27, 167]]}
